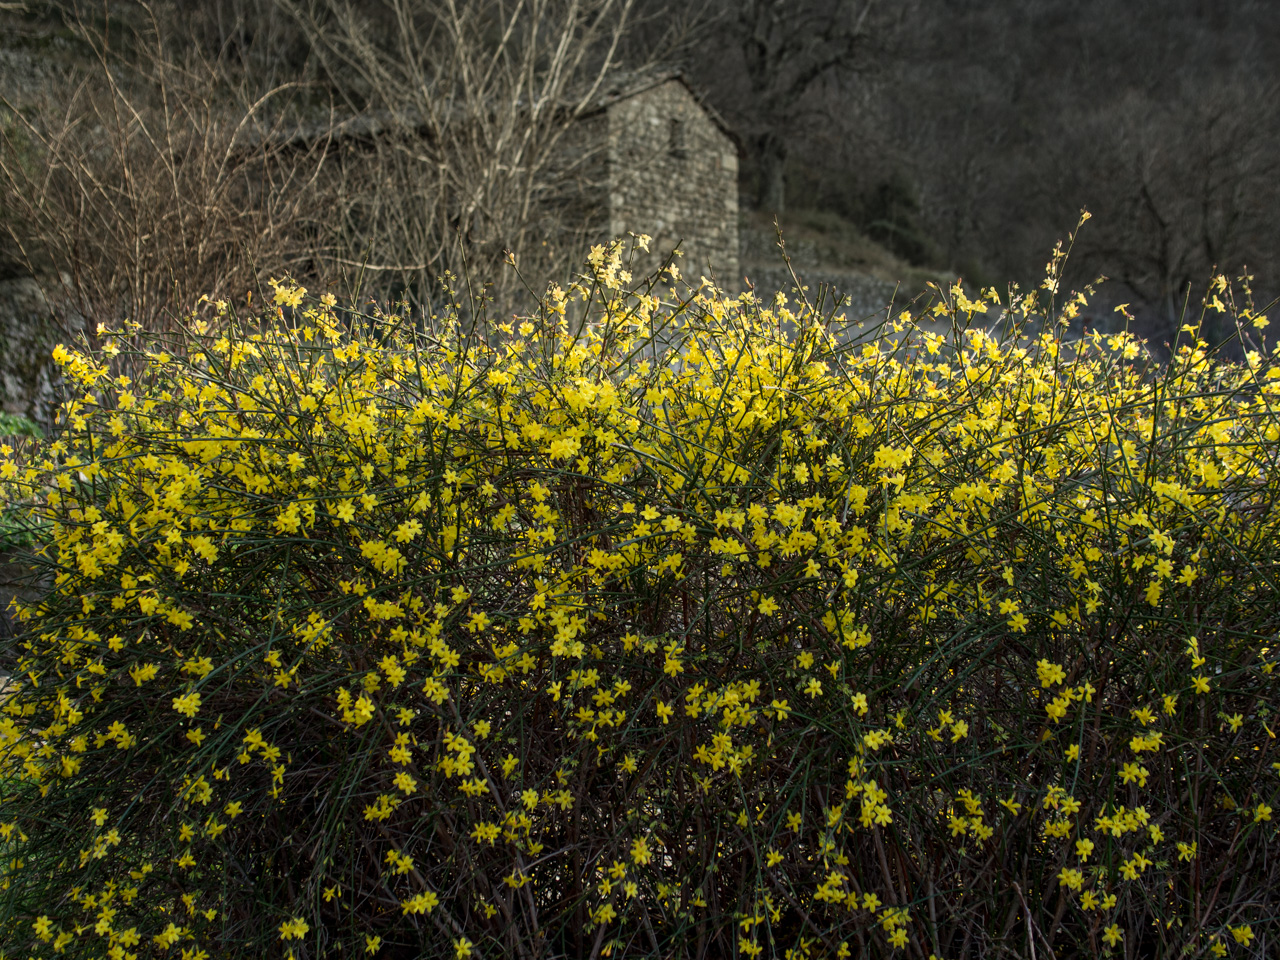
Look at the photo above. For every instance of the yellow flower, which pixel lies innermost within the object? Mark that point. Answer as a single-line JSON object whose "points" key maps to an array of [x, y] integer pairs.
{"points": [[1132, 771], [1243, 935], [1113, 935], [297, 928], [640, 851], [141, 673], [1049, 673], [768, 606], [408, 530], [43, 928], [405, 783]]}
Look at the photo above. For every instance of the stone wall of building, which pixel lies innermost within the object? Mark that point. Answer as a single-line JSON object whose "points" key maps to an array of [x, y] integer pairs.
{"points": [[673, 174]]}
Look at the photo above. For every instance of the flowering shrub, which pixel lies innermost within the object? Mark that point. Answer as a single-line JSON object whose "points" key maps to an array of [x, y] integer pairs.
{"points": [[697, 627]]}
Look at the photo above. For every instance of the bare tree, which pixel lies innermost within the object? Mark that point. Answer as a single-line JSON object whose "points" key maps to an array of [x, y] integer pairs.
{"points": [[1007, 119], [461, 144], [785, 49], [1186, 185]]}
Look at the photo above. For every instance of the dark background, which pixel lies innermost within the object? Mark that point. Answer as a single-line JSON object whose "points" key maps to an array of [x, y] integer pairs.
{"points": [[965, 136], [968, 135]]}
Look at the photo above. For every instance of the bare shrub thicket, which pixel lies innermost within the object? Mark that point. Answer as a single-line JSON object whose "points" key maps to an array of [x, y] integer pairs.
{"points": [[152, 177], [381, 144]]}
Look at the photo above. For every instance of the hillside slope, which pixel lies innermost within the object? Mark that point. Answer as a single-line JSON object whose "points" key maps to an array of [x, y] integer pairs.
{"points": [[828, 251]]}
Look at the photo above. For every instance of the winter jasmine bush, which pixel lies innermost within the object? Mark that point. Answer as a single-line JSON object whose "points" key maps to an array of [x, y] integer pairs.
{"points": [[694, 626]]}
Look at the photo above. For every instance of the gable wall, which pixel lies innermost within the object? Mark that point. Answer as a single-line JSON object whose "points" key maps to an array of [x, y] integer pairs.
{"points": [[674, 194]]}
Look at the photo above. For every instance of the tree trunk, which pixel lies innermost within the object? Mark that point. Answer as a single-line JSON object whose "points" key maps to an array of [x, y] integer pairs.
{"points": [[772, 151]]}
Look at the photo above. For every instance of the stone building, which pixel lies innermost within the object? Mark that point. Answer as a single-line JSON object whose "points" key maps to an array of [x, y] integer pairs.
{"points": [[670, 170]]}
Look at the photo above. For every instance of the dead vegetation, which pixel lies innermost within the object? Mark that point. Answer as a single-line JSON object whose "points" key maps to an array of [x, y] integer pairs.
{"points": [[372, 147]]}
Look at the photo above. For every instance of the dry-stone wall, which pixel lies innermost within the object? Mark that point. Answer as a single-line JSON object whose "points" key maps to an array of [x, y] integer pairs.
{"points": [[28, 333], [871, 282], [34, 60], [673, 174], [864, 297]]}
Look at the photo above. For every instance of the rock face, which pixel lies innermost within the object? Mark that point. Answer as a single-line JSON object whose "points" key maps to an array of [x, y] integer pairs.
{"points": [[28, 333], [24, 76], [34, 59]]}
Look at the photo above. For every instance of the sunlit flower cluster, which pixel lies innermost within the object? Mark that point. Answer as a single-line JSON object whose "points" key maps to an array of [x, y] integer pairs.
{"points": [[657, 622]]}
